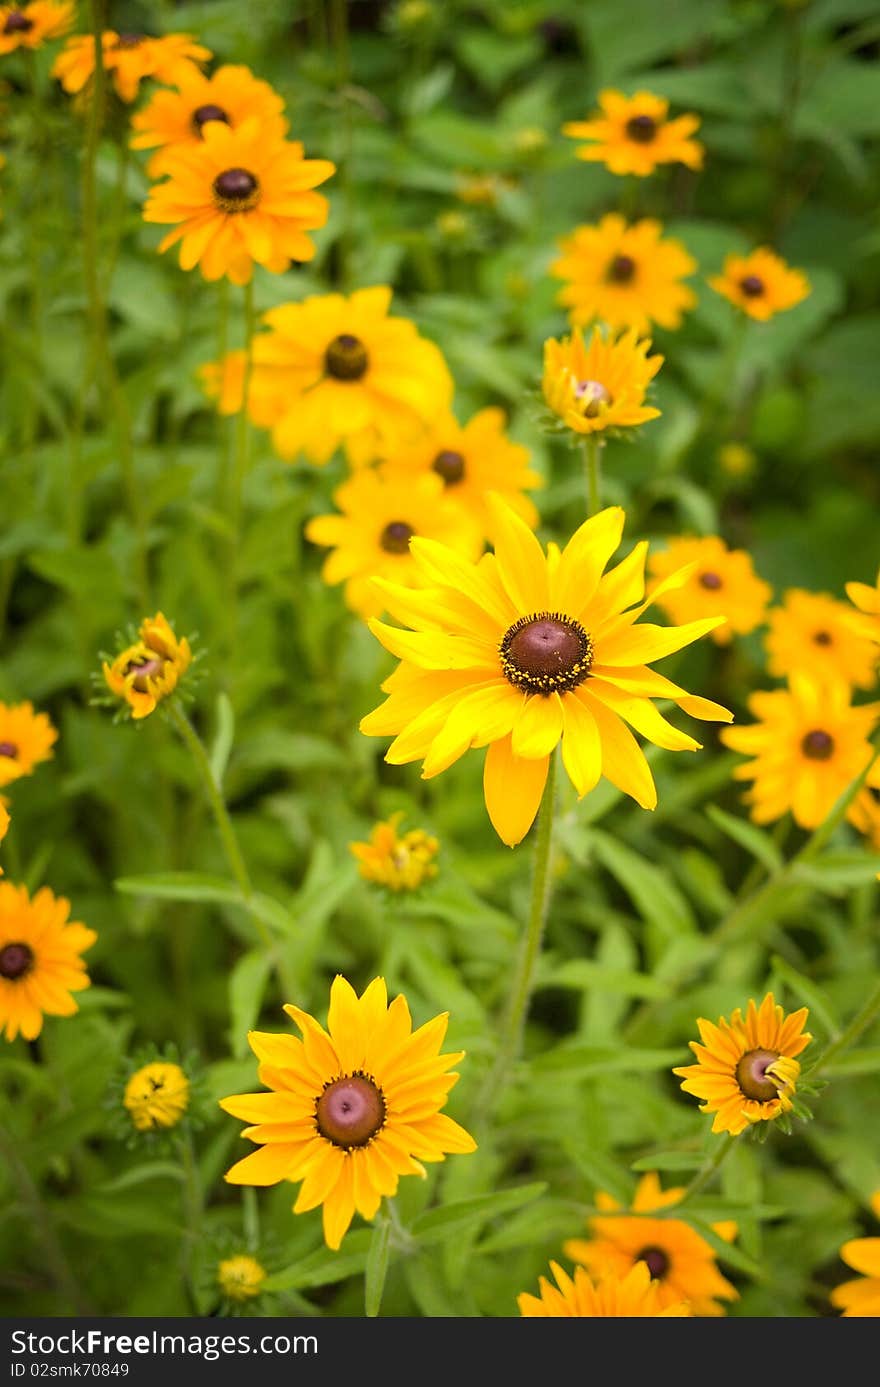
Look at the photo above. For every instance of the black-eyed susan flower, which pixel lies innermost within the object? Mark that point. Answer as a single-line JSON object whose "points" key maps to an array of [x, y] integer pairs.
{"points": [[601, 384], [523, 650], [860, 1297], [156, 1096], [30, 26], [815, 634], [635, 134], [175, 120], [723, 583], [624, 275], [399, 861], [348, 374], [867, 600], [240, 1278], [40, 964], [26, 739], [379, 513], [634, 1295], [223, 382], [472, 459], [808, 744], [747, 1070], [351, 1108], [239, 198], [682, 1265], [149, 670], [761, 283], [128, 59]]}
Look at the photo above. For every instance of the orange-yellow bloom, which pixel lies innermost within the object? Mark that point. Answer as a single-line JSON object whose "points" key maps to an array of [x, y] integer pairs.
{"points": [[812, 633], [128, 59], [26, 739], [402, 862], [860, 1298], [31, 25], [723, 583], [631, 1296], [148, 671], [600, 384], [40, 964], [761, 284], [624, 275], [634, 134]]}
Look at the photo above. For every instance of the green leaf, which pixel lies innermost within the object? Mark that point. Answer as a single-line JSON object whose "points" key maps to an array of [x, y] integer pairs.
{"points": [[837, 872], [153, 1170], [325, 1267], [651, 889], [247, 985], [866, 1061], [590, 1061], [181, 886], [439, 1224], [223, 738], [377, 1267], [584, 975], [668, 1160], [755, 842], [808, 993]]}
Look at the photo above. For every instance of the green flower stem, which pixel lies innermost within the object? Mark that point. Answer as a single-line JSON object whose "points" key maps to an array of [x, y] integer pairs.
{"points": [[193, 1208], [339, 33], [27, 1192], [510, 1040], [594, 473], [702, 1177], [221, 815], [240, 467], [859, 1024]]}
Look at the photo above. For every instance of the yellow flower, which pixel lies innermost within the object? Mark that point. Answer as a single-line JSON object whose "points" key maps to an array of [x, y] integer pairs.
{"points": [[746, 1070], [624, 275], [223, 381], [147, 672], [867, 600], [808, 745], [239, 198], [632, 1296], [352, 1108], [865, 809], [30, 26], [813, 633], [341, 371], [40, 964], [380, 512], [128, 59], [4, 825], [525, 649], [157, 1095], [400, 862], [601, 384], [472, 459], [634, 134], [761, 283], [682, 1264], [175, 120], [26, 738], [724, 583], [240, 1278], [860, 1298], [736, 459]]}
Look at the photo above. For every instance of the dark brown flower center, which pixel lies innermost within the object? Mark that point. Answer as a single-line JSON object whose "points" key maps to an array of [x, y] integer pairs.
{"points": [[656, 1260], [202, 114], [752, 286], [752, 1076], [396, 536], [591, 394], [15, 961], [818, 745], [144, 670], [710, 581], [822, 638], [621, 269], [17, 23], [236, 190], [8, 749], [546, 653], [350, 1111], [450, 466], [129, 40], [642, 129], [346, 357]]}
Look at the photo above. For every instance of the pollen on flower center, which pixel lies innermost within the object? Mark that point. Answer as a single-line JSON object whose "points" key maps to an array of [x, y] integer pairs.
{"points": [[144, 670], [346, 357], [203, 114], [236, 190], [752, 286], [711, 581], [591, 394], [396, 536], [350, 1111], [8, 749], [17, 23], [818, 745], [656, 1260], [753, 1077], [15, 961], [642, 129], [546, 653], [621, 269], [449, 465]]}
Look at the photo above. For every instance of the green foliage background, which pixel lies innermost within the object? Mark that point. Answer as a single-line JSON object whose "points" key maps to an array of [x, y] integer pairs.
{"points": [[416, 98]]}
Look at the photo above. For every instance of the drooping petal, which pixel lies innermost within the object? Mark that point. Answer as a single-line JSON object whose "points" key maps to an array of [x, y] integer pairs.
{"points": [[513, 787]]}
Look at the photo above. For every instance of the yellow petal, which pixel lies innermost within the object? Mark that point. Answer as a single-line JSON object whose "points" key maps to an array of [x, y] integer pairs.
{"points": [[513, 788]]}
